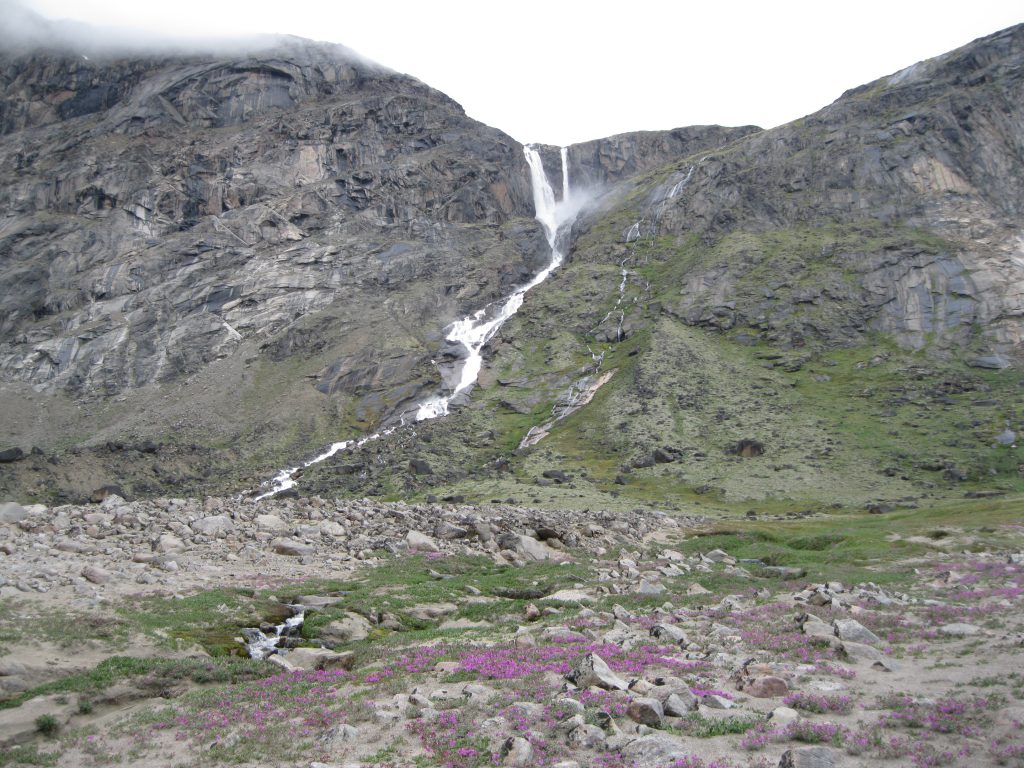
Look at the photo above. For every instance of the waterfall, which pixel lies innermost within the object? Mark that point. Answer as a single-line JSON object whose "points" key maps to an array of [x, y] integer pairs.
{"points": [[472, 333], [565, 175]]}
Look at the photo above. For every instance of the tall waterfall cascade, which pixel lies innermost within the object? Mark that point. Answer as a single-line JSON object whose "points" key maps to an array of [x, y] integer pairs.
{"points": [[472, 333]]}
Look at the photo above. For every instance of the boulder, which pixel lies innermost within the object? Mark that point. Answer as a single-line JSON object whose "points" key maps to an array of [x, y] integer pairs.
{"points": [[591, 670], [320, 658], [587, 737], [809, 757], [214, 525], [12, 512], [854, 631], [95, 574], [525, 545], [348, 629], [767, 687], [420, 542], [517, 752], [646, 711], [432, 611], [271, 523], [10, 455], [959, 629], [292, 547]]}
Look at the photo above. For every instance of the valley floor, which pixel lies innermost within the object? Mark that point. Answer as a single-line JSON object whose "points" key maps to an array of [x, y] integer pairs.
{"points": [[474, 636]]}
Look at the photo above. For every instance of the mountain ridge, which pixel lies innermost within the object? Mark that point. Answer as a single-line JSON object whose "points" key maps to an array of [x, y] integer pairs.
{"points": [[284, 306]]}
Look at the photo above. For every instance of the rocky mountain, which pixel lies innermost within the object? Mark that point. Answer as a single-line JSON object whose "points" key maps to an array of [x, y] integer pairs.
{"points": [[215, 265]]}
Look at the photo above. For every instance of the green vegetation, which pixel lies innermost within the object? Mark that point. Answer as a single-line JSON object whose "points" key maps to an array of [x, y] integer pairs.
{"points": [[47, 725], [152, 674]]}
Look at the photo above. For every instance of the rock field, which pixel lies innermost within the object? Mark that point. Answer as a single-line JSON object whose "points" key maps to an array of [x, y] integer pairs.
{"points": [[497, 636]]}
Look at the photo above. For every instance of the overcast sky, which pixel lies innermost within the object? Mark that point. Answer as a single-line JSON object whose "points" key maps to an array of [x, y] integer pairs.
{"points": [[561, 72]]}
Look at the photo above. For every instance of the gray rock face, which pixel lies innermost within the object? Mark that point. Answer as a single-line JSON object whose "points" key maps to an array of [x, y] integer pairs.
{"points": [[167, 214], [592, 670], [851, 629], [904, 195], [809, 757]]}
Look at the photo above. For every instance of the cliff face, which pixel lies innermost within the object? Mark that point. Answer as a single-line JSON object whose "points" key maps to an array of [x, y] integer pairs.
{"points": [[161, 213], [896, 209]]}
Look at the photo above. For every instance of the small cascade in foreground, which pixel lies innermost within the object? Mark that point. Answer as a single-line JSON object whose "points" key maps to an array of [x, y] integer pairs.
{"points": [[471, 333]]}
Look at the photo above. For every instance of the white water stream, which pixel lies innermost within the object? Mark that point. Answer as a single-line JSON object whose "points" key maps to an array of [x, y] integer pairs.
{"points": [[261, 644], [473, 332]]}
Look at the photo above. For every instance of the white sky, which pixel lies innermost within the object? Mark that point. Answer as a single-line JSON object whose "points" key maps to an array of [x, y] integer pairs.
{"points": [[561, 72]]}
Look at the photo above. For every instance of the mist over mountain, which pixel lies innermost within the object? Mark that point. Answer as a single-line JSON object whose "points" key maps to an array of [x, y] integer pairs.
{"points": [[217, 262]]}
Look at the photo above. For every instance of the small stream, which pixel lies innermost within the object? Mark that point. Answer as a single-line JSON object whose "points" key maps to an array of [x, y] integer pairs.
{"points": [[262, 644]]}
